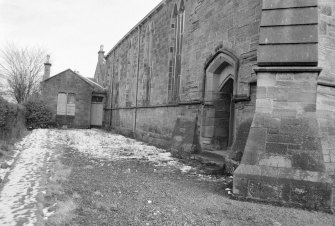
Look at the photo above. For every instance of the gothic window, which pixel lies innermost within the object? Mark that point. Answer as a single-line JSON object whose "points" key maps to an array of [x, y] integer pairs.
{"points": [[175, 51], [148, 62]]}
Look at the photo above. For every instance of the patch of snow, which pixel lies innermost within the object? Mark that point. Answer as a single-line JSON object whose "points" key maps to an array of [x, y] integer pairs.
{"points": [[3, 172], [103, 145], [18, 196], [185, 169], [18, 201], [47, 213]]}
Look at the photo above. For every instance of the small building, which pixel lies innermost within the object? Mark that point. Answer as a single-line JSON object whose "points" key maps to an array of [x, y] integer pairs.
{"points": [[75, 100]]}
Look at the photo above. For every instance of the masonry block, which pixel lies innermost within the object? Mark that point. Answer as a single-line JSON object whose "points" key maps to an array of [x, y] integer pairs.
{"points": [[276, 159], [290, 16], [288, 186], [277, 4]]}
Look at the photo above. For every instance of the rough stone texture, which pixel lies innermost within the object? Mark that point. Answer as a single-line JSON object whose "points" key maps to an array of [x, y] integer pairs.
{"points": [[285, 128], [284, 185], [277, 4], [326, 89], [289, 20], [210, 26], [327, 40], [285, 142], [326, 114], [68, 82]]}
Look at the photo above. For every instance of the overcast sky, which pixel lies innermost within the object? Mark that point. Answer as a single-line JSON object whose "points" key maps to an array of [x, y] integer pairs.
{"points": [[70, 30]]}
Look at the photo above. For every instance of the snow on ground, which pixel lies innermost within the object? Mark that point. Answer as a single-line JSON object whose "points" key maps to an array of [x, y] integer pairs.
{"points": [[3, 172], [103, 145], [18, 197]]}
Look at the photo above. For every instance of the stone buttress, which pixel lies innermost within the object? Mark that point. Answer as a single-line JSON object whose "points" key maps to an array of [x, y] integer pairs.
{"points": [[283, 158]]}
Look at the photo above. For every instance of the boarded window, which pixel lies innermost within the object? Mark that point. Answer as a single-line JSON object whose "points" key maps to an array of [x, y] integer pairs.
{"points": [[66, 104], [71, 104], [61, 104]]}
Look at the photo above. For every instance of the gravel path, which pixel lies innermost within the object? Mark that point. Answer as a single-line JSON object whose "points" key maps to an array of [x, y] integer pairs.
{"points": [[91, 177]]}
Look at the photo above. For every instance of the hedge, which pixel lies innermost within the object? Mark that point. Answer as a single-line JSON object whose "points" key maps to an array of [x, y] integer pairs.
{"points": [[12, 120], [38, 115]]}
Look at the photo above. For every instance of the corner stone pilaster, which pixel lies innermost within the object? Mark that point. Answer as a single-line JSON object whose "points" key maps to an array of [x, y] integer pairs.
{"points": [[283, 159]]}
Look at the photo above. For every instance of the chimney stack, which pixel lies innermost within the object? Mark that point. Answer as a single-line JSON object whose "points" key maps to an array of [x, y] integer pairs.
{"points": [[47, 66], [101, 54]]}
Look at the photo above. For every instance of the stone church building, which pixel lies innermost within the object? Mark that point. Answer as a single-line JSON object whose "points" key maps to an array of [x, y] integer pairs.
{"points": [[253, 80]]}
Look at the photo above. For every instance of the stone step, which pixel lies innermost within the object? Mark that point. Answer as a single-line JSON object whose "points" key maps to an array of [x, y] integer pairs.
{"points": [[216, 162]]}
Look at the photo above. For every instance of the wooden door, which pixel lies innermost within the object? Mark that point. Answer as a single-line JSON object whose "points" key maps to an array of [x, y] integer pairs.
{"points": [[96, 114]]}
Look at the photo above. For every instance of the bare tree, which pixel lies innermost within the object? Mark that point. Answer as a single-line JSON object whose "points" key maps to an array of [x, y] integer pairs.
{"points": [[23, 69]]}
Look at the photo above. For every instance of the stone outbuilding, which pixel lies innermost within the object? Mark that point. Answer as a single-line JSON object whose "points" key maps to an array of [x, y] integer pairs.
{"points": [[75, 100]]}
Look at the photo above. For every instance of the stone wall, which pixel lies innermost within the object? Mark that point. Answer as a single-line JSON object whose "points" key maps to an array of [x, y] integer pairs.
{"points": [[68, 82], [284, 155], [327, 40], [138, 66], [326, 88]]}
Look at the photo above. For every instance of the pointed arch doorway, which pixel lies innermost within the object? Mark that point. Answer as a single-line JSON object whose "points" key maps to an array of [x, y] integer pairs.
{"points": [[218, 116]]}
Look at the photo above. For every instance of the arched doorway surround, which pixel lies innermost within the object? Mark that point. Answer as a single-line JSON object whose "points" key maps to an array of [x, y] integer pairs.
{"points": [[220, 86]]}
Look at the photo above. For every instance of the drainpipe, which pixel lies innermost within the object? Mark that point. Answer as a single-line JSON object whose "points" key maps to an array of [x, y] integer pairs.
{"points": [[137, 75]]}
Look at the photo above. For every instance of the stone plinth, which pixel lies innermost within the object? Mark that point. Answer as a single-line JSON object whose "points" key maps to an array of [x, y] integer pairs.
{"points": [[283, 159]]}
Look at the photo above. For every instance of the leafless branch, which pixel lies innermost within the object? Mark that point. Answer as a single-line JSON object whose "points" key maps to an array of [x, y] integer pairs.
{"points": [[23, 69]]}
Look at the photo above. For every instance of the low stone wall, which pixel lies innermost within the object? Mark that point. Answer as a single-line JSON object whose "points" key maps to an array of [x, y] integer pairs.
{"points": [[169, 126]]}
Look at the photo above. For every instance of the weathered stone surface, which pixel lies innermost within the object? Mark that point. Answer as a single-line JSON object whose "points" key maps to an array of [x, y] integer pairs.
{"points": [[288, 186], [292, 142], [277, 4], [139, 67], [288, 55], [289, 34], [184, 134], [285, 26], [290, 16], [327, 40]]}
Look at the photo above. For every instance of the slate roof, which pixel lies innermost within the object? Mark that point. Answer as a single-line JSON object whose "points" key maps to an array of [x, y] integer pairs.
{"points": [[96, 87]]}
